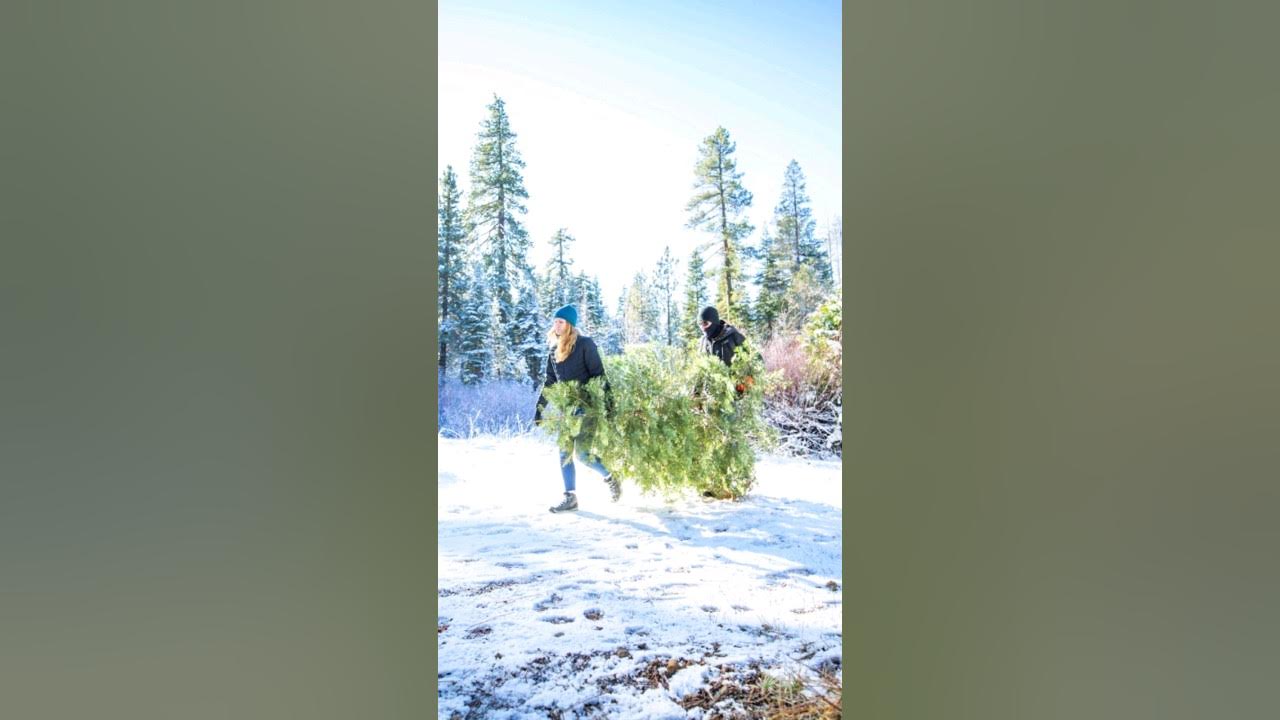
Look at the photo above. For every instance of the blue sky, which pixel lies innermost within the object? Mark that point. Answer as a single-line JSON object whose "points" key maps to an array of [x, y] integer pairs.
{"points": [[610, 101]]}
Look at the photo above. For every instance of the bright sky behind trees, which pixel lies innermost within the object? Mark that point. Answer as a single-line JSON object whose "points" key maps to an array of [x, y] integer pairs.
{"points": [[610, 100]]}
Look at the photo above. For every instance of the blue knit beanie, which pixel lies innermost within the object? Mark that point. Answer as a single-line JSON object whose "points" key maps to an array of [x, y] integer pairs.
{"points": [[569, 314]]}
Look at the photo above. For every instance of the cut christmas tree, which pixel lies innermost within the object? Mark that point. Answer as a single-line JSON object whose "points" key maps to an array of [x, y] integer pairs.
{"points": [[672, 421]]}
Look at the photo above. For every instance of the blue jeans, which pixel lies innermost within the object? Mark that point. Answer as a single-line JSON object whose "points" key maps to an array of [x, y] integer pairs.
{"points": [[566, 464]]}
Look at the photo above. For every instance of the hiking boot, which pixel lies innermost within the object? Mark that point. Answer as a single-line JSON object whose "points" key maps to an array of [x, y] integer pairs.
{"points": [[615, 487], [570, 502]]}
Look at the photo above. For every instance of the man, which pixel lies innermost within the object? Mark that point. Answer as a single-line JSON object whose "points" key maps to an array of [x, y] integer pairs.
{"points": [[721, 339]]}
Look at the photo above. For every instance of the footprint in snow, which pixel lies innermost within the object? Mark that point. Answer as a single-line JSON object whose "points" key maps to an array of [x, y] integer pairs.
{"points": [[741, 608], [593, 614], [710, 608], [550, 602], [557, 619]]}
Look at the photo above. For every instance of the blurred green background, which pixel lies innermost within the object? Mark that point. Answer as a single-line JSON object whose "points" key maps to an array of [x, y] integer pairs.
{"points": [[1062, 359], [218, 430]]}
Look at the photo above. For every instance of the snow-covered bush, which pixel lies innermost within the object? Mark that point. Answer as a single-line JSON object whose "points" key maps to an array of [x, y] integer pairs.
{"points": [[497, 407], [673, 420]]}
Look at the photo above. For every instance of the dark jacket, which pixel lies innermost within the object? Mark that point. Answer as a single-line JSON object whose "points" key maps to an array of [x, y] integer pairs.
{"points": [[722, 342], [582, 364]]}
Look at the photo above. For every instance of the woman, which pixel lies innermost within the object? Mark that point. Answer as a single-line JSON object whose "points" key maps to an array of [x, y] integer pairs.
{"points": [[573, 357]]}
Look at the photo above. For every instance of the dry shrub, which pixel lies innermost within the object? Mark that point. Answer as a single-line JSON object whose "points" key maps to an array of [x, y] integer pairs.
{"points": [[752, 693], [803, 400]]}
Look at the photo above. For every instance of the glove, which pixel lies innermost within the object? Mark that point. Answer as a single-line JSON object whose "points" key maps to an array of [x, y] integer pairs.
{"points": [[537, 409]]}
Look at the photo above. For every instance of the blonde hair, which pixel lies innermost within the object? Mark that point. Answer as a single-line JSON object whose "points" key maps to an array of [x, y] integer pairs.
{"points": [[564, 343]]}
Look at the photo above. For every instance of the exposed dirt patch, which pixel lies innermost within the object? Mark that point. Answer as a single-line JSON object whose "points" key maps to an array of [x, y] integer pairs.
{"points": [[488, 587], [732, 691], [748, 692]]}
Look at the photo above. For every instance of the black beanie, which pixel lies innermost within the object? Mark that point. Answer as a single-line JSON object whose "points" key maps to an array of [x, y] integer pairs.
{"points": [[710, 314]]}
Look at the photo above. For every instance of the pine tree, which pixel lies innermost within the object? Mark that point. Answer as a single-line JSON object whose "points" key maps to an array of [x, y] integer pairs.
{"points": [[746, 313], [719, 200], [641, 311], [835, 249], [615, 331], [664, 284], [450, 265], [695, 297], [600, 323], [497, 195], [586, 298], [529, 328], [576, 295], [795, 226], [508, 360], [475, 325], [805, 293], [559, 285], [622, 319], [773, 285], [678, 421]]}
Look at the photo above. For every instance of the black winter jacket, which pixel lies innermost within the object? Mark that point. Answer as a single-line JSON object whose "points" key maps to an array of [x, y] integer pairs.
{"points": [[722, 343], [582, 364]]}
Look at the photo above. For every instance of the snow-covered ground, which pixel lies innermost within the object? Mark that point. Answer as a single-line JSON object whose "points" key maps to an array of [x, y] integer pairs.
{"points": [[623, 610]]}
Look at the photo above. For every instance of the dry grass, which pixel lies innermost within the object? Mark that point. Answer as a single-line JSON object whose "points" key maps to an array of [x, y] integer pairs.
{"points": [[755, 694]]}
